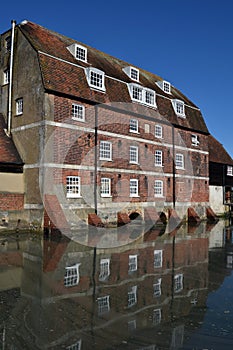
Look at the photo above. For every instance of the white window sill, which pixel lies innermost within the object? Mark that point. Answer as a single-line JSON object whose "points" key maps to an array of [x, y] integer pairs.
{"points": [[73, 196], [134, 132], [106, 159], [78, 119], [179, 168]]}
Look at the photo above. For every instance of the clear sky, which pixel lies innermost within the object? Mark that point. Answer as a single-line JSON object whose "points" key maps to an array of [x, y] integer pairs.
{"points": [[187, 42]]}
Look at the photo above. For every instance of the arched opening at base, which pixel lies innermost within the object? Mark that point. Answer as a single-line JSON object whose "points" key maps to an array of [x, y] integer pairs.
{"points": [[162, 217], [135, 216]]}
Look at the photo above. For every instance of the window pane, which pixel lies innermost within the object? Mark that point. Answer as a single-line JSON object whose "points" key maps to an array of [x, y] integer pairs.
{"points": [[81, 53], [179, 160], [158, 188], [105, 187], [105, 150], [137, 93], [72, 186], [133, 188], [78, 111], [158, 158], [133, 154], [158, 131], [96, 79], [133, 125]]}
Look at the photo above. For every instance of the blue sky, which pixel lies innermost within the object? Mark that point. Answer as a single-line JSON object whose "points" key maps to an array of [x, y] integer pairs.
{"points": [[187, 42]]}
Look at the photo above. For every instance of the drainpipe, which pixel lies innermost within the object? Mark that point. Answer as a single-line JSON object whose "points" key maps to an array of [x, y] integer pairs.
{"points": [[96, 159], [173, 169], [13, 22]]}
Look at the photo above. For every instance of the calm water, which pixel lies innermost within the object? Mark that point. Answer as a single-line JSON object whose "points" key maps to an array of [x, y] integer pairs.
{"points": [[152, 291]]}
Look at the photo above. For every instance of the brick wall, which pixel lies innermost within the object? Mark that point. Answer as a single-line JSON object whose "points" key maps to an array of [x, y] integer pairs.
{"points": [[11, 201]]}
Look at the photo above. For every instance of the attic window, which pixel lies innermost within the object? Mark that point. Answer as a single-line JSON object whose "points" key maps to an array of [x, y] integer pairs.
{"points": [[141, 94], [132, 72], [95, 78], [81, 53], [178, 106], [164, 85], [78, 51]]}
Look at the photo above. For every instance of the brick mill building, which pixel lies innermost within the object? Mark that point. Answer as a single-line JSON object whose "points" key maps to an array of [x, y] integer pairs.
{"points": [[97, 134]]}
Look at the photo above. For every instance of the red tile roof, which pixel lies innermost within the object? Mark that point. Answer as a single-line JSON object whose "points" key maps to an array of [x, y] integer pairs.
{"points": [[217, 153], [9, 155], [62, 73]]}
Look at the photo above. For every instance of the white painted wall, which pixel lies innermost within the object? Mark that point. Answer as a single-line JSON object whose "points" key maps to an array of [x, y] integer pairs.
{"points": [[216, 199]]}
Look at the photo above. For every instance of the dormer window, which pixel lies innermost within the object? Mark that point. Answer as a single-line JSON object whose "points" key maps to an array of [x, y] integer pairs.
{"points": [[95, 78], [141, 94], [81, 53], [132, 72], [178, 106], [164, 85], [78, 51]]}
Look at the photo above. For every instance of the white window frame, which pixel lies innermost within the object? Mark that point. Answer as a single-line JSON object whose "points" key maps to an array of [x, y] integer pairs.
{"points": [[103, 304], [73, 187], [19, 106], [6, 76], [158, 188], [158, 258], [179, 107], [142, 95], [78, 112], [105, 150], [104, 269], [133, 187], [71, 277], [105, 187], [158, 158], [133, 125], [157, 315], [95, 78], [229, 170], [165, 86], [158, 131], [81, 53], [132, 296], [132, 72], [179, 161], [178, 282], [8, 43], [157, 288], [133, 154], [75, 346], [133, 263], [195, 140]]}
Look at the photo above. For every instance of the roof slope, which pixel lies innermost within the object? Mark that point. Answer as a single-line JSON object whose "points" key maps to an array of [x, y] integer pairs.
{"points": [[62, 73], [8, 152], [217, 153]]}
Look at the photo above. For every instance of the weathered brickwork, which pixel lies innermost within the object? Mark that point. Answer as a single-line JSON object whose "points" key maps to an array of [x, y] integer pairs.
{"points": [[11, 201], [120, 147]]}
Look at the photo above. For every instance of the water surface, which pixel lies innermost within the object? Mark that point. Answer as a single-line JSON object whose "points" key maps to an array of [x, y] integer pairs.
{"points": [[159, 290]]}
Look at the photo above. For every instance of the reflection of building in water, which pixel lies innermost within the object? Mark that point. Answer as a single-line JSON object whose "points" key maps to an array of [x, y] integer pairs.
{"points": [[73, 297]]}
